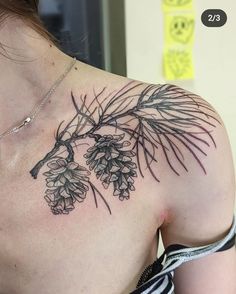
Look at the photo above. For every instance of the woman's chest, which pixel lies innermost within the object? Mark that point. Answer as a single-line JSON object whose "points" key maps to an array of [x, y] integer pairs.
{"points": [[92, 249]]}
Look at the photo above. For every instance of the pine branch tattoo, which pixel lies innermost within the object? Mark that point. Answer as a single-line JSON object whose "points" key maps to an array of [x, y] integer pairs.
{"points": [[165, 116]]}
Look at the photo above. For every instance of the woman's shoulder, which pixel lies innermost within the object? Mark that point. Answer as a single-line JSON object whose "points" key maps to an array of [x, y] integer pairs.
{"points": [[199, 176], [174, 136], [184, 145], [178, 134]]}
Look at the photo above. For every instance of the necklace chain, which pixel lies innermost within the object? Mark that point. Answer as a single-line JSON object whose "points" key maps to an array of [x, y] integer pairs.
{"points": [[32, 115]]}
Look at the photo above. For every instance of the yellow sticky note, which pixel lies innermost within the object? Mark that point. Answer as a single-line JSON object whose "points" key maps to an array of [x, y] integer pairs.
{"points": [[178, 64], [179, 29], [174, 5]]}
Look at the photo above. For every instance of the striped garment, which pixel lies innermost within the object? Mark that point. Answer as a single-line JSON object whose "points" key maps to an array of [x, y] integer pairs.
{"points": [[157, 278]]}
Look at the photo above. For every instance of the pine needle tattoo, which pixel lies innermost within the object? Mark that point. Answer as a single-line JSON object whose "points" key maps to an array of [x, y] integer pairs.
{"points": [[165, 116]]}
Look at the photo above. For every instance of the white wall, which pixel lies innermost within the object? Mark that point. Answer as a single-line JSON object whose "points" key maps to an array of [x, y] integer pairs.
{"points": [[214, 54]]}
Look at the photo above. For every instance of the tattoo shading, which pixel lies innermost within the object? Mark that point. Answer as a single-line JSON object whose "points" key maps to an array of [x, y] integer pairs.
{"points": [[111, 164], [167, 119], [67, 182]]}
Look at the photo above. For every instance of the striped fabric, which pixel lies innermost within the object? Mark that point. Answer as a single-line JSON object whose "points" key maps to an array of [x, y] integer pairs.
{"points": [[157, 278]]}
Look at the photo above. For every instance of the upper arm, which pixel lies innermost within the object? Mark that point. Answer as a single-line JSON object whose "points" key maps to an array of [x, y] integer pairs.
{"points": [[200, 206]]}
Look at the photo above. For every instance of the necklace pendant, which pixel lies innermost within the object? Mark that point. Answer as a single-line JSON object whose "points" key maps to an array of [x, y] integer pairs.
{"points": [[27, 121], [23, 124]]}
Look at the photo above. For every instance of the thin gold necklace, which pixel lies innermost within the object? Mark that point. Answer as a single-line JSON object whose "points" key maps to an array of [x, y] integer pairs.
{"points": [[29, 119]]}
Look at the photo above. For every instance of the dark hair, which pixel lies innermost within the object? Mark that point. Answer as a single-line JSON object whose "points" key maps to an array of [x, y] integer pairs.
{"points": [[27, 10]]}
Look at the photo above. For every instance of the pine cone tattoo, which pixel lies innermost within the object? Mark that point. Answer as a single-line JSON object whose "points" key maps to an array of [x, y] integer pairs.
{"points": [[67, 183], [112, 164]]}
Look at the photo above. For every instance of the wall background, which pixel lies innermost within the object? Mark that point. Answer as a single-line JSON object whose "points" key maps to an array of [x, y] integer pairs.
{"points": [[214, 55]]}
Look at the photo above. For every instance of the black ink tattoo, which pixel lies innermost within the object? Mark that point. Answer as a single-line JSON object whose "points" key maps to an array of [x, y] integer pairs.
{"points": [[165, 117], [112, 164], [67, 183]]}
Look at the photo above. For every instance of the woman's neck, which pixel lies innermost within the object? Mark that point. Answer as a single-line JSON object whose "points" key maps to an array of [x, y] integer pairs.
{"points": [[29, 65]]}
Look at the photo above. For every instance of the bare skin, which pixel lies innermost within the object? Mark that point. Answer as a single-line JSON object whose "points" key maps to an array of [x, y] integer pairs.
{"points": [[38, 248], [87, 249]]}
